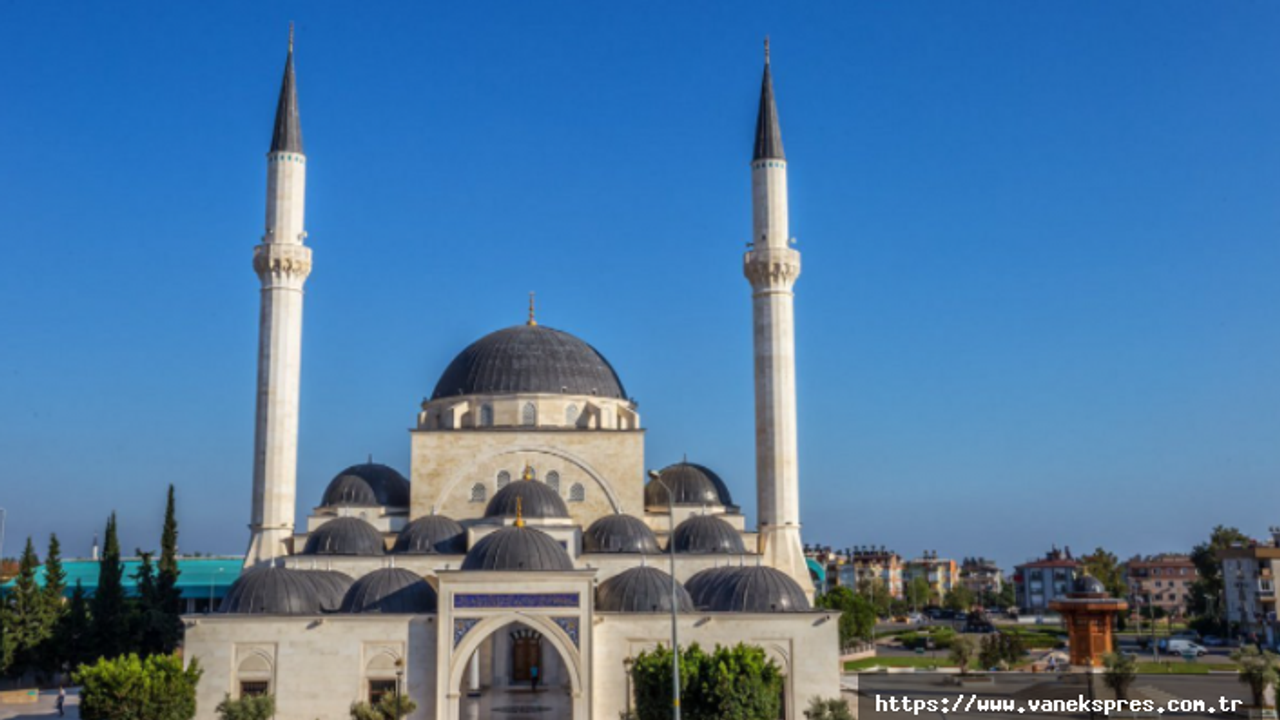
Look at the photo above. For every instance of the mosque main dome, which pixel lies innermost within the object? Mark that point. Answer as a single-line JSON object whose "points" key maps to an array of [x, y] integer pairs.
{"points": [[529, 359]]}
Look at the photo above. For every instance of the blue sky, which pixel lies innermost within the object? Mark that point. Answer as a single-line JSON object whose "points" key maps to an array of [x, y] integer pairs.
{"points": [[1039, 294]]}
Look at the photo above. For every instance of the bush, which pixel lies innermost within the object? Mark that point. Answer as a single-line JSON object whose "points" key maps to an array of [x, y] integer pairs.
{"points": [[1257, 670], [942, 639], [962, 649], [249, 707], [386, 708], [130, 688], [828, 709], [1121, 671], [737, 683]]}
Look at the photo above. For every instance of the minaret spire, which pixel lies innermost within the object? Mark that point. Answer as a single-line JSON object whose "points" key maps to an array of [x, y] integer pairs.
{"points": [[287, 136], [768, 132]]}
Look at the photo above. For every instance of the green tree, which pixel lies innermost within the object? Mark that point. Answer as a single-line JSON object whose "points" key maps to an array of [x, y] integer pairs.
{"points": [[857, 616], [109, 608], [828, 709], [74, 634], [1257, 669], [55, 584], [1106, 567], [877, 594], [1121, 671], [1008, 596], [737, 683], [959, 598], [28, 624], [168, 595], [962, 651], [919, 592], [133, 688], [1206, 592], [249, 707], [148, 616]]}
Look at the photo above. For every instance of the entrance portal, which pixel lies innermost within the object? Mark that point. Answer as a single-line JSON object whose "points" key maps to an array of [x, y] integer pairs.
{"points": [[526, 654], [498, 681]]}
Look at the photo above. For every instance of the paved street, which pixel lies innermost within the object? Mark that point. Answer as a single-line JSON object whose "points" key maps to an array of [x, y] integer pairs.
{"points": [[45, 708]]}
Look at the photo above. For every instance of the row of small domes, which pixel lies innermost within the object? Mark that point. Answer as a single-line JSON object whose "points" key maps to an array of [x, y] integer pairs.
{"points": [[269, 590], [437, 534], [376, 485]]}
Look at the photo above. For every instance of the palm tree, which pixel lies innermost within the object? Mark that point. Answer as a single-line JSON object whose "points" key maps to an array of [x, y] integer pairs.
{"points": [[1121, 671], [1257, 670]]}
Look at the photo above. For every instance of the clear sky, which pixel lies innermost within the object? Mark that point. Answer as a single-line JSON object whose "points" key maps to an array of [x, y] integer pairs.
{"points": [[1040, 250]]}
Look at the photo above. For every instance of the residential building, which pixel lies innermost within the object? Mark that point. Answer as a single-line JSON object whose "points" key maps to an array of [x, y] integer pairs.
{"points": [[941, 573], [1163, 581], [1248, 576], [981, 576], [1040, 582], [867, 562]]}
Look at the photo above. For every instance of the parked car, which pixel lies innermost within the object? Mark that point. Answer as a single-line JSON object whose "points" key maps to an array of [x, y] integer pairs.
{"points": [[1214, 641], [1185, 647]]}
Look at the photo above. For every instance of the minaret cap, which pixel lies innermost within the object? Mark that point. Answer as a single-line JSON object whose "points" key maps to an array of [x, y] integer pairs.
{"points": [[532, 320], [287, 134], [768, 131]]}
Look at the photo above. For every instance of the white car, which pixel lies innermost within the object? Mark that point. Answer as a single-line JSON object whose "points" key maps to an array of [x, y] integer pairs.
{"points": [[1186, 647]]}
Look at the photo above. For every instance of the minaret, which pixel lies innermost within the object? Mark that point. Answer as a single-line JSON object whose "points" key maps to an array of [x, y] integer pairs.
{"points": [[282, 263], [772, 268]]}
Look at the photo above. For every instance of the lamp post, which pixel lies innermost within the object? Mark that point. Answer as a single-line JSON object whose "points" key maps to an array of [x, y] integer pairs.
{"points": [[627, 663], [399, 677], [675, 605]]}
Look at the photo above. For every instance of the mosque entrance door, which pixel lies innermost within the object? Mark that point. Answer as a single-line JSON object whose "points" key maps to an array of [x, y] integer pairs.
{"points": [[526, 654]]}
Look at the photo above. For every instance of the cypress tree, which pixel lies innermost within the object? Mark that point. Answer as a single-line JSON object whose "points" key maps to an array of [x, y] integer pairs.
{"points": [[75, 633], [27, 623], [55, 583], [148, 615], [109, 608], [169, 597]]}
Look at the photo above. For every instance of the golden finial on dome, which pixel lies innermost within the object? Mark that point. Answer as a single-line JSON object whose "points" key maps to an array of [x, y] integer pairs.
{"points": [[528, 472], [532, 321], [519, 512]]}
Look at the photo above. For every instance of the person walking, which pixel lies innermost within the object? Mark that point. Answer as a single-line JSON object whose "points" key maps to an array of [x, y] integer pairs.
{"points": [[62, 700], [533, 678]]}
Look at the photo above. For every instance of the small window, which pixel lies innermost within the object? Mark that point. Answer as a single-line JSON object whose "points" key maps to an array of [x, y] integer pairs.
{"points": [[577, 493], [529, 415], [553, 480], [504, 479], [254, 688], [571, 415], [379, 689], [486, 416], [477, 493]]}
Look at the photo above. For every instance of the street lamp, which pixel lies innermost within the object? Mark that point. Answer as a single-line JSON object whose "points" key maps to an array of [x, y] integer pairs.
{"points": [[675, 605], [399, 677], [627, 664]]}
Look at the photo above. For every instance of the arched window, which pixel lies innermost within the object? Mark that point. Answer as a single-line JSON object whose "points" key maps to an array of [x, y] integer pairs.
{"points": [[577, 493], [486, 416], [553, 480], [529, 414], [477, 493], [504, 478], [571, 415]]}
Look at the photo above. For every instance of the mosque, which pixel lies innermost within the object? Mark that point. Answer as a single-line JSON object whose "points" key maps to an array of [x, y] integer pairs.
{"points": [[527, 540]]}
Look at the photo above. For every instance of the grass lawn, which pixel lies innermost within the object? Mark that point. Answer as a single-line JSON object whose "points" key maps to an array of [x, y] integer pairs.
{"points": [[1182, 668], [916, 661]]}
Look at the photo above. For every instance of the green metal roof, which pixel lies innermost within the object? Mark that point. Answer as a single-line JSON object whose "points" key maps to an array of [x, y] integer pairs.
{"points": [[198, 577]]}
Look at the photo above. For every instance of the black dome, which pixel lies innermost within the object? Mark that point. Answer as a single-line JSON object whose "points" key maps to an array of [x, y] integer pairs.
{"points": [[345, 536], [431, 535], [537, 500], [367, 485], [269, 590], [517, 548], [331, 586], [1089, 585], [390, 590], [529, 359], [619, 534], [702, 585], [707, 534], [757, 590], [641, 590], [692, 485]]}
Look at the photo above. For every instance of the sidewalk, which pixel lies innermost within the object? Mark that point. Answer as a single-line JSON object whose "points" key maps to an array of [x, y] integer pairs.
{"points": [[45, 708]]}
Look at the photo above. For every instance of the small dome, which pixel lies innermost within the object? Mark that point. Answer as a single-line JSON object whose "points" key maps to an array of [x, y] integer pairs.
{"points": [[1089, 585], [704, 534], [641, 590], [367, 485], [537, 500], [691, 484], [757, 590], [270, 590], [390, 590], [529, 359], [517, 548], [702, 585], [432, 535], [331, 586], [345, 536], [619, 534]]}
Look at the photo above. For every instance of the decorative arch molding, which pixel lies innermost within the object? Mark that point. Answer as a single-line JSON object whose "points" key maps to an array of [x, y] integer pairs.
{"points": [[471, 469], [460, 656]]}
